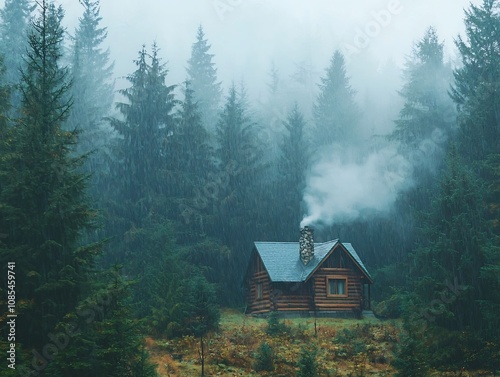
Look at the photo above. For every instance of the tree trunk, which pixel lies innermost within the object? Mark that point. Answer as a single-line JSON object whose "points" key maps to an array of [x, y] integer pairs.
{"points": [[202, 357]]}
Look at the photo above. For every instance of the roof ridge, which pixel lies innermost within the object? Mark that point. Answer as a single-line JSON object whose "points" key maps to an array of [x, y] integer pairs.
{"points": [[294, 242]]}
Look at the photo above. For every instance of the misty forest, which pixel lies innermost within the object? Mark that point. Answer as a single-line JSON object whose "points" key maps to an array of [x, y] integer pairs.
{"points": [[129, 207]]}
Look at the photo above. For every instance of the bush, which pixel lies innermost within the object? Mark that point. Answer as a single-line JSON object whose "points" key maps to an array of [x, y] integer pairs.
{"points": [[410, 358], [264, 358], [308, 364], [275, 326]]}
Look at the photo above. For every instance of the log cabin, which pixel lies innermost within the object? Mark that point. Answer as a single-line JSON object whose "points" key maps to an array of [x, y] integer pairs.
{"points": [[301, 278]]}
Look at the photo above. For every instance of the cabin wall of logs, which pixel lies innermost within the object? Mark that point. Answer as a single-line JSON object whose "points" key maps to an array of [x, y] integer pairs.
{"points": [[315, 294], [354, 295]]}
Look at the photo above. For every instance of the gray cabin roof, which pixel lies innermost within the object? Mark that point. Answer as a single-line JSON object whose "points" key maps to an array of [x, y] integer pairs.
{"points": [[282, 260]]}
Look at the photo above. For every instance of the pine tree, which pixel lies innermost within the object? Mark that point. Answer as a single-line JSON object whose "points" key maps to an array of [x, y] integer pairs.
{"points": [[147, 122], [411, 355], [428, 117], [189, 150], [336, 114], [427, 106], [240, 165], [14, 24], [203, 77], [447, 267], [292, 166], [477, 82], [140, 184], [238, 156], [264, 358], [307, 363], [192, 162], [110, 341], [43, 203], [93, 87], [5, 105], [201, 313]]}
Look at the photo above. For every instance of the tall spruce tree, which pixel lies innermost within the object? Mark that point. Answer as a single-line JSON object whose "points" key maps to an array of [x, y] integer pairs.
{"points": [[476, 93], [477, 82], [292, 167], [427, 118], [93, 87], [453, 252], [140, 183], [147, 122], [5, 104], [335, 112], [110, 341], [202, 74], [43, 204], [14, 24], [240, 164], [427, 107], [192, 162]]}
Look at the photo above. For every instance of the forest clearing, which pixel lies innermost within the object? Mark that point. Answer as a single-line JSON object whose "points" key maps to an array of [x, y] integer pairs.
{"points": [[343, 347]]}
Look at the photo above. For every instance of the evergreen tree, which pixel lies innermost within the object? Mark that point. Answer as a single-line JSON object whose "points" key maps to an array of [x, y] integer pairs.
{"points": [[336, 114], [192, 160], [5, 92], [264, 358], [203, 77], [43, 203], [238, 156], [201, 313], [110, 342], [477, 81], [14, 24], [292, 167], [427, 106], [239, 166], [302, 88], [476, 95], [147, 122], [137, 207], [427, 118], [307, 363], [448, 266], [274, 84], [92, 89]]}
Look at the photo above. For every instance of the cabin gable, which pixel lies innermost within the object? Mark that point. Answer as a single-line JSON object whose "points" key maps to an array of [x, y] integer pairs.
{"points": [[338, 283]]}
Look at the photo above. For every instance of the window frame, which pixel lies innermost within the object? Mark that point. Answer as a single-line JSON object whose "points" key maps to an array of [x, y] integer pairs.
{"points": [[260, 290], [337, 277]]}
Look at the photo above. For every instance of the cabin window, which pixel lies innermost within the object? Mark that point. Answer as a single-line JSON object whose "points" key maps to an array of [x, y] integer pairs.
{"points": [[259, 291], [336, 286]]}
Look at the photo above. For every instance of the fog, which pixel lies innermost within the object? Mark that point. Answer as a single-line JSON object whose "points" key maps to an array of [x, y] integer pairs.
{"points": [[246, 35]]}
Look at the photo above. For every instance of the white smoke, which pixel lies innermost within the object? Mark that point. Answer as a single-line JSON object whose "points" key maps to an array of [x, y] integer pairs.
{"points": [[341, 189]]}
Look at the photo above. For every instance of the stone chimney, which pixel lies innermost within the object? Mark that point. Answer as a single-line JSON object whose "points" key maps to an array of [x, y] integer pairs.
{"points": [[306, 244]]}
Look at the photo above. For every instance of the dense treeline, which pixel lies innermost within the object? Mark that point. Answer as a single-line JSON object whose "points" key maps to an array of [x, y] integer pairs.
{"points": [[137, 214]]}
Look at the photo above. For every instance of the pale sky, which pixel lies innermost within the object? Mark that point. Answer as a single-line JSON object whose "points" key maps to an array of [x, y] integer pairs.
{"points": [[246, 35]]}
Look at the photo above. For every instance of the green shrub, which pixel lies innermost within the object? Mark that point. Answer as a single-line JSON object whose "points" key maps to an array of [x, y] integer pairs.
{"points": [[275, 326], [308, 364], [264, 358]]}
